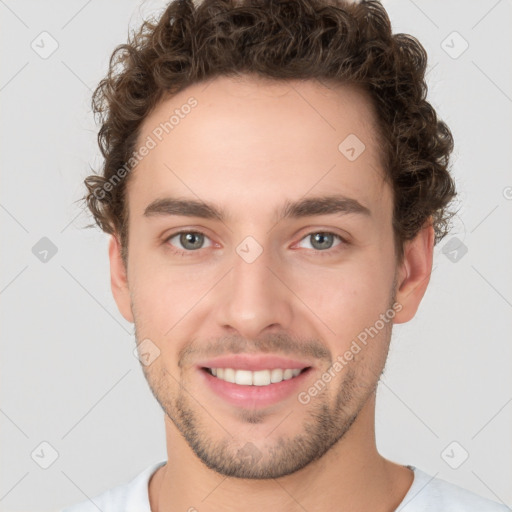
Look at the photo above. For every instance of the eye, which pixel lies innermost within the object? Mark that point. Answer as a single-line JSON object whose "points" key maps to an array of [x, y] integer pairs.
{"points": [[190, 240], [322, 241]]}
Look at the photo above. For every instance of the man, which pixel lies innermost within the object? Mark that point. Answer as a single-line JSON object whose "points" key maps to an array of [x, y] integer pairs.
{"points": [[274, 183]]}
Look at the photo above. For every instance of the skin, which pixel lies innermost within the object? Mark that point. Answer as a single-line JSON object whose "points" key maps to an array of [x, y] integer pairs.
{"points": [[249, 145]]}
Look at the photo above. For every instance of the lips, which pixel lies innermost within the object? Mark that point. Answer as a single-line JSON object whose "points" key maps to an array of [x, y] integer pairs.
{"points": [[254, 362], [259, 393]]}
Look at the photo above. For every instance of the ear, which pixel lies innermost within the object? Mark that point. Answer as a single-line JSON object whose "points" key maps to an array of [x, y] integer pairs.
{"points": [[414, 273], [119, 279]]}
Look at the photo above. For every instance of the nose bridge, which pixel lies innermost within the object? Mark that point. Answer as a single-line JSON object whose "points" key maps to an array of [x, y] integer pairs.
{"points": [[254, 298]]}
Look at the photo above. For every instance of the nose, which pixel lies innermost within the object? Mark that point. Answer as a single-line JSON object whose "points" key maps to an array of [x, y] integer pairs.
{"points": [[254, 297]]}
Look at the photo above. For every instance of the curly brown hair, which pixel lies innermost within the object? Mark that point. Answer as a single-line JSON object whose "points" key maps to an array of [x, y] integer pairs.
{"points": [[338, 41]]}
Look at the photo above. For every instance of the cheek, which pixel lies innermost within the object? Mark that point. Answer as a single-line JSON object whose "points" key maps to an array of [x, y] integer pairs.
{"points": [[152, 300], [349, 298], [163, 297]]}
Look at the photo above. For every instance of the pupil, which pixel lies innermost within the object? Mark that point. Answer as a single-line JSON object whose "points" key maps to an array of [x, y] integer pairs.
{"points": [[189, 237], [320, 237]]}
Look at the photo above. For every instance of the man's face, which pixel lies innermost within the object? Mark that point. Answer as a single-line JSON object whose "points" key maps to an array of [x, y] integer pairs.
{"points": [[253, 290]]}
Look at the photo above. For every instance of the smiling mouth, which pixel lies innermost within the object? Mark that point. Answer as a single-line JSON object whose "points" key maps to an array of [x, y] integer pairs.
{"points": [[255, 378]]}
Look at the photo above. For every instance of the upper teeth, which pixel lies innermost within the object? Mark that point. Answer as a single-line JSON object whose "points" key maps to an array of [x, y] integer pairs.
{"points": [[259, 378]]}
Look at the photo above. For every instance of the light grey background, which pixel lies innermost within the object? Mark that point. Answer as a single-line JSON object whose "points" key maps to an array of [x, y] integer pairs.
{"points": [[68, 374]]}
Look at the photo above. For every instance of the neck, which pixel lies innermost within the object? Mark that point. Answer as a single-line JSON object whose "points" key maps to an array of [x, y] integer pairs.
{"points": [[351, 473]]}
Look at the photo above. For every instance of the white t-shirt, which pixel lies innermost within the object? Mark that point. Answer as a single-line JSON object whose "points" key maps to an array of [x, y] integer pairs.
{"points": [[426, 494]]}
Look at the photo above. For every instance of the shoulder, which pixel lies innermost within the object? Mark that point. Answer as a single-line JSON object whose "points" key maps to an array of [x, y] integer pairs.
{"points": [[128, 497], [429, 494]]}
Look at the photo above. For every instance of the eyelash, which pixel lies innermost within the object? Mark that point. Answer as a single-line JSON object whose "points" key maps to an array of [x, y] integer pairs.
{"points": [[327, 252]]}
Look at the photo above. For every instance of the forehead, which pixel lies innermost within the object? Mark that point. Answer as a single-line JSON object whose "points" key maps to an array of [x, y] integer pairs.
{"points": [[241, 140]]}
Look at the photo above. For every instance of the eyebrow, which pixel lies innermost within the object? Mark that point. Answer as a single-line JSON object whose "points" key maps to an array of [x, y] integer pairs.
{"points": [[309, 207]]}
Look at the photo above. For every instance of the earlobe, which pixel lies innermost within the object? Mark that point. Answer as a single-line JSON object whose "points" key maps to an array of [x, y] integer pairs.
{"points": [[414, 274], [119, 279]]}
